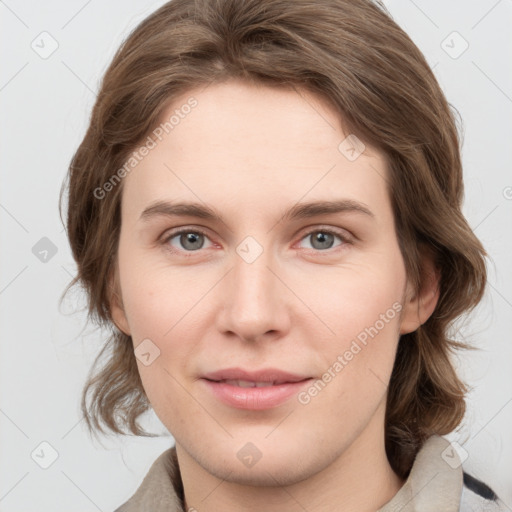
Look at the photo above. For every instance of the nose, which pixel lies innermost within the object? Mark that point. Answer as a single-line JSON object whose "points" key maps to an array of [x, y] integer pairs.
{"points": [[253, 300]]}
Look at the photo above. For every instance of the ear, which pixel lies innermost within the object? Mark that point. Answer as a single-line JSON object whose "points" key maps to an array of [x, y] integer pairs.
{"points": [[116, 304], [418, 306]]}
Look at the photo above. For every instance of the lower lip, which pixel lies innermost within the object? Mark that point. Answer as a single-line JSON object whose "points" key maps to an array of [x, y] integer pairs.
{"points": [[255, 398]]}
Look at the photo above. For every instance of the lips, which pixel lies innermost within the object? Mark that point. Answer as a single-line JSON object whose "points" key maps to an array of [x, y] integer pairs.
{"points": [[256, 390]]}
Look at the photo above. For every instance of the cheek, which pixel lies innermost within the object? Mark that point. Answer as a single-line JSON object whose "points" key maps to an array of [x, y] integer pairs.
{"points": [[357, 360], [160, 308], [361, 308], [355, 297], [157, 297], [166, 307], [366, 330]]}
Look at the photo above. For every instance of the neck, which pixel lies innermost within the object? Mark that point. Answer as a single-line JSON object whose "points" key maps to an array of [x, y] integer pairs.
{"points": [[359, 480]]}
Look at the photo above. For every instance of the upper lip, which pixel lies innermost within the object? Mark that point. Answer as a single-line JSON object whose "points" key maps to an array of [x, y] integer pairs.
{"points": [[264, 375]]}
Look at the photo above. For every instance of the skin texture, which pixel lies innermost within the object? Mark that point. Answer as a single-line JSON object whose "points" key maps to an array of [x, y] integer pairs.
{"points": [[252, 152]]}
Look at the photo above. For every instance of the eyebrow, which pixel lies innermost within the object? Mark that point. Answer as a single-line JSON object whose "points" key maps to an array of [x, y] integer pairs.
{"points": [[298, 211]]}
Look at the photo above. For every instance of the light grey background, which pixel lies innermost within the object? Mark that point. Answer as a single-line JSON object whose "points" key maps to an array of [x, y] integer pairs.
{"points": [[46, 352]]}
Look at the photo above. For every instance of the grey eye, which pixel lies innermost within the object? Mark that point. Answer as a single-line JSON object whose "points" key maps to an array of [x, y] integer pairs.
{"points": [[188, 240], [322, 240], [192, 241]]}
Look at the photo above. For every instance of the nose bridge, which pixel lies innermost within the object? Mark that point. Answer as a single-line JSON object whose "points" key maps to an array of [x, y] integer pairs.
{"points": [[253, 280], [251, 297]]}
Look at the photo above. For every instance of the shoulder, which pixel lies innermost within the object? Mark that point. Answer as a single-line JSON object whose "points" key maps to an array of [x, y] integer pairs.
{"points": [[161, 489], [479, 497]]}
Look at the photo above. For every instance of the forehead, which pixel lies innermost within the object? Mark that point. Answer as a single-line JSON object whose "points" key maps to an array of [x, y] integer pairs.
{"points": [[253, 146], [285, 118]]}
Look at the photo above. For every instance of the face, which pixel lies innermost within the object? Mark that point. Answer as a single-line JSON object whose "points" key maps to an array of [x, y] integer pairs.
{"points": [[268, 284]]}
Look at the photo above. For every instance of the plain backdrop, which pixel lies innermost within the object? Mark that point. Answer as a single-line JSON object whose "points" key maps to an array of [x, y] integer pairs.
{"points": [[53, 56]]}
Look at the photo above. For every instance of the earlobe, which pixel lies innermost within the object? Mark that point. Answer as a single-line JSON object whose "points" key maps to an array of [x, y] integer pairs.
{"points": [[116, 306], [418, 307]]}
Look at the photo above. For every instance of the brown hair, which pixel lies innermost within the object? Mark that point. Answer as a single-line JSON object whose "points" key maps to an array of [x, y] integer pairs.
{"points": [[350, 53]]}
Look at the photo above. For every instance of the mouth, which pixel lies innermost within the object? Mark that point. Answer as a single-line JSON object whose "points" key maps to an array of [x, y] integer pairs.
{"points": [[249, 378], [253, 384], [254, 395]]}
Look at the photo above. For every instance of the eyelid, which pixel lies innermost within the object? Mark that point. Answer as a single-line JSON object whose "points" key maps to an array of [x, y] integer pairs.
{"points": [[344, 234]]}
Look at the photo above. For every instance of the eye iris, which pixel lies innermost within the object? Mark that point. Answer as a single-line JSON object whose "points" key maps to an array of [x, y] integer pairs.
{"points": [[190, 238], [321, 237]]}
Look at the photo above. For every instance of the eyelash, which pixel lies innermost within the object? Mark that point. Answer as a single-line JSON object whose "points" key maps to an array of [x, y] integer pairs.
{"points": [[343, 237]]}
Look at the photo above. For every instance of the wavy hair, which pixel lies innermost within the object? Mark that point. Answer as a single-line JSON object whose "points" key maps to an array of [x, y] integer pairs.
{"points": [[352, 54]]}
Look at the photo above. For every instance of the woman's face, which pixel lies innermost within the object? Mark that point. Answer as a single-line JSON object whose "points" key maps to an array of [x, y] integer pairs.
{"points": [[269, 284]]}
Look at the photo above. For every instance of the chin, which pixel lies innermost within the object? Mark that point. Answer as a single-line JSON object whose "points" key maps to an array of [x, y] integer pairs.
{"points": [[259, 463], [275, 473]]}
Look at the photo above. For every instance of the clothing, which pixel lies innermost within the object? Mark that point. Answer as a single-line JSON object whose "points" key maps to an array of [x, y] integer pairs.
{"points": [[436, 483]]}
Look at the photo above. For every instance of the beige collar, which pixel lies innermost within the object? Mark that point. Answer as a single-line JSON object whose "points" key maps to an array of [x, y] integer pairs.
{"points": [[434, 483]]}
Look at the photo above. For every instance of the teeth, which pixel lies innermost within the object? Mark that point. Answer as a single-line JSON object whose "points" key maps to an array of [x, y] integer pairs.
{"points": [[248, 383]]}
